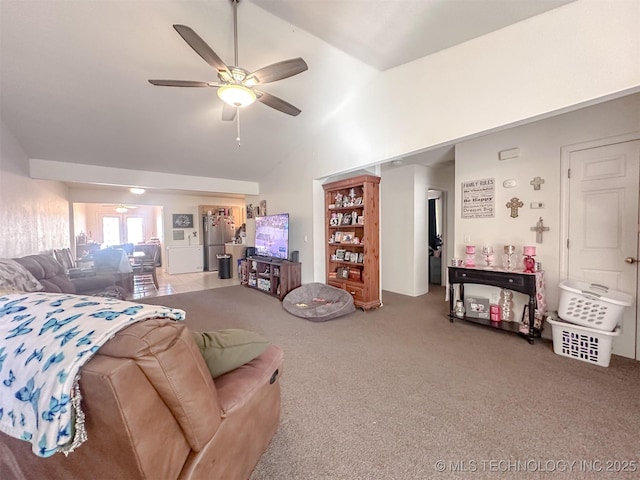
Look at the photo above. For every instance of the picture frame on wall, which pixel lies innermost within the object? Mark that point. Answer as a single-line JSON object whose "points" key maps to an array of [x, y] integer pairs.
{"points": [[478, 198], [182, 220]]}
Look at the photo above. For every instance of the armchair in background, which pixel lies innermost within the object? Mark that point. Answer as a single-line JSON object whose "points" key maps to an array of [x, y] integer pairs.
{"points": [[148, 250], [64, 257], [144, 268], [127, 247], [115, 261]]}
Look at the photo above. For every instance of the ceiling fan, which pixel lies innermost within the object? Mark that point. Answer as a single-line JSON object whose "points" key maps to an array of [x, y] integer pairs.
{"points": [[120, 208], [237, 86]]}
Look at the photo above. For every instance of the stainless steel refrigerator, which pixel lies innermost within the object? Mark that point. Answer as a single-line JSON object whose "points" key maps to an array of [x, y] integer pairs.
{"points": [[217, 230]]}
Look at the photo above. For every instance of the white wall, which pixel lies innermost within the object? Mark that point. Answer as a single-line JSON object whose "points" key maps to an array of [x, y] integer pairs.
{"points": [[404, 216], [552, 62], [398, 237], [80, 173], [555, 62], [290, 190], [34, 213], [540, 144]]}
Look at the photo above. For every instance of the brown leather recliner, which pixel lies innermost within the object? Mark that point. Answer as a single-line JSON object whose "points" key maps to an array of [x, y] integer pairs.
{"points": [[154, 412]]}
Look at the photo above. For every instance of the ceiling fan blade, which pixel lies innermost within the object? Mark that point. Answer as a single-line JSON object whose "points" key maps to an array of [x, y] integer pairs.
{"points": [[201, 48], [277, 71], [277, 103], [228, 112], [179, 83]]}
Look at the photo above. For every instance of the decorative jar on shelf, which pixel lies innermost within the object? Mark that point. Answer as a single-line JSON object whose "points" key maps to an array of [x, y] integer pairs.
{"points": [[470, 256], [528, 261], [487, 253]]}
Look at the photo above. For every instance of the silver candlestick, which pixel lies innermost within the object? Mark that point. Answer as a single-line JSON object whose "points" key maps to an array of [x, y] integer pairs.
{"points": [[508, 259]]}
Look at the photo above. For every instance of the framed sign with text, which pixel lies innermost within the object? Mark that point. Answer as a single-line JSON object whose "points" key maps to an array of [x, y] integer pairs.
{"points": [[478, 198], [182, 220]]}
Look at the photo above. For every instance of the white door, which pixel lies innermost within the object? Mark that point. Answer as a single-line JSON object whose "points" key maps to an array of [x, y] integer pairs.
{"points": [[603, 226]]}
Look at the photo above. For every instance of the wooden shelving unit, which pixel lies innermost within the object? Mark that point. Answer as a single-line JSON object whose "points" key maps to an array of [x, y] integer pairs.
{"points": [[353, 238], [276, 278]]}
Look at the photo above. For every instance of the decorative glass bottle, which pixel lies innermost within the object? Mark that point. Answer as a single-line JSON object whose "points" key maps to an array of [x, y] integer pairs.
{"points": [[487, 253], [470, 257], [528, 261]]}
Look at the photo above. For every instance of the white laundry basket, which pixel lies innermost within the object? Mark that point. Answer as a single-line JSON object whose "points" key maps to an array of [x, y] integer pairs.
{"points": [[592, 305], [582, 343]]}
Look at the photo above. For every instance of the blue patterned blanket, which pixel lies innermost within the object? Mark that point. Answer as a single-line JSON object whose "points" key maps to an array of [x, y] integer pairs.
{"points": [[45, 338]]}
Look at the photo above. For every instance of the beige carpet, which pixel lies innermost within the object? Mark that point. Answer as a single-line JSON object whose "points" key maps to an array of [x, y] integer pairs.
{"points": [[388, 393]]}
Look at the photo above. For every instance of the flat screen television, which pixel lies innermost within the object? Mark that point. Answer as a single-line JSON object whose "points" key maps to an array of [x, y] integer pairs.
{"points": [[272, 236]]}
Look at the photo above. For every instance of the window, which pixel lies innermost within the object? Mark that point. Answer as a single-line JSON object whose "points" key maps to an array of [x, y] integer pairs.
{"points": [[111, 230], [135, 231]]}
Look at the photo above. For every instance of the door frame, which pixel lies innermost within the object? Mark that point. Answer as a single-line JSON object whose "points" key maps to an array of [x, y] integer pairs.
{"points": [[565, 156], [443, 251]]}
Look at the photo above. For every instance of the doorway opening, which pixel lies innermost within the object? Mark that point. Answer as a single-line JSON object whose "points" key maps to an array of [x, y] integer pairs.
{"points": [[436, 228], [99, 226]]}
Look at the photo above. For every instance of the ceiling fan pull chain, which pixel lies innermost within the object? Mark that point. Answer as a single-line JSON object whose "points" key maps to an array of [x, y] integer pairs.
{"points": [[238, 125]]}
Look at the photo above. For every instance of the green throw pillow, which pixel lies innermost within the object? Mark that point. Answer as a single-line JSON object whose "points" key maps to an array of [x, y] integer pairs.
{"points": [[226, 350]]}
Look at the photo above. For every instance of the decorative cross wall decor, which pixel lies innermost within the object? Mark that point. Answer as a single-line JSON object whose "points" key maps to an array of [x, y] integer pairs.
{"points": [[536, 182], [514, 204], [539, 229]]}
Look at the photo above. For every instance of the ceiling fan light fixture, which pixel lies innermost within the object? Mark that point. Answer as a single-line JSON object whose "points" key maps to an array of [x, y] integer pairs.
{"points": [[122, 209], [236, 95]]}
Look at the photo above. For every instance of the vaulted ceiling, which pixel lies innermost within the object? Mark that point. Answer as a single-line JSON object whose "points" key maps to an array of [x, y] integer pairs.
{"points": [[74, 74]]}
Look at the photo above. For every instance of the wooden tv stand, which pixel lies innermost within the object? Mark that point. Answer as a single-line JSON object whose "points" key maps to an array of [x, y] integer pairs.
{"points": [[273, 276]]}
